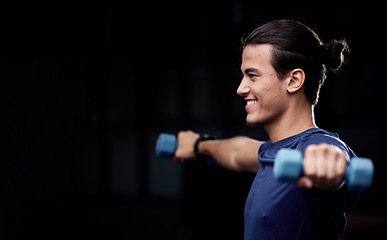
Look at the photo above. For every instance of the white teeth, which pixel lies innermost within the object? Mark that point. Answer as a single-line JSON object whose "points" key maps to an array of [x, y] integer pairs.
{"points": [[251, 102]]}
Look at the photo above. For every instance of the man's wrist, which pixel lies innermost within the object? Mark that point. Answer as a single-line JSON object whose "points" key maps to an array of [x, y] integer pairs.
{"points": [[204, 137]]}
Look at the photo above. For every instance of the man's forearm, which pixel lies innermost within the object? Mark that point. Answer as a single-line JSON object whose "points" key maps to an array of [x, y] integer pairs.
{"points": [[237, 154]]}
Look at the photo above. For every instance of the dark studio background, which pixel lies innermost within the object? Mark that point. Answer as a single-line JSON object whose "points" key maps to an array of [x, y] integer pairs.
{"points": [[87, 89]]}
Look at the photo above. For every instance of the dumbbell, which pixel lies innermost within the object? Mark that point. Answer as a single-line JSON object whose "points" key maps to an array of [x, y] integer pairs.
{"points": [[289, 166], [167, 145]]}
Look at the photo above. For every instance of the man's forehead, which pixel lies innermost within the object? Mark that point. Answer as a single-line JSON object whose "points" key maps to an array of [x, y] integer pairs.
{"points": [[258, 50], [256, 56]]}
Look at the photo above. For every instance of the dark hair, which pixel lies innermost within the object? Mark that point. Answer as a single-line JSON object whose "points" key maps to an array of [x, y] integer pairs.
{"points": [[297, 46]]}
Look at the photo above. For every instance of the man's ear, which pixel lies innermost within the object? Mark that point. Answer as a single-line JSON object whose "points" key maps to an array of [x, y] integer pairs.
{"points": [[296, 80]]}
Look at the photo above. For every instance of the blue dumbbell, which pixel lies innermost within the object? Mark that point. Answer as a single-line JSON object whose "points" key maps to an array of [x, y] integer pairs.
{"points": [[167, 145], [289, 166]]}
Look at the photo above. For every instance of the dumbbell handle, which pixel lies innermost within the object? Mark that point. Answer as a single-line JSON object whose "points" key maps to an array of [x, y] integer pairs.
{"points": [[167, 145], [289, 166]]}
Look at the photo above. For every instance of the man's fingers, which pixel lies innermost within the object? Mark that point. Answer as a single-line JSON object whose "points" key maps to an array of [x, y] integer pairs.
{"points": [[341, 166], [305, 182], [309, 165], [324, 166], [321, 165]]}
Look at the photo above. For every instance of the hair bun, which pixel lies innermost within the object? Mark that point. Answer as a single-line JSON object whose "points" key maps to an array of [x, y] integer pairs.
{"points": [[335, 53]]}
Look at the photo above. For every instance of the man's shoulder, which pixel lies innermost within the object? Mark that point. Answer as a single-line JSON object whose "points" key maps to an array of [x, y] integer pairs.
{"points": [[318, 136]]}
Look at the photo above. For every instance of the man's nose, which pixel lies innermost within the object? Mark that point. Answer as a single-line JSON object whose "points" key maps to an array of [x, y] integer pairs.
{"points": [[243, 88]]}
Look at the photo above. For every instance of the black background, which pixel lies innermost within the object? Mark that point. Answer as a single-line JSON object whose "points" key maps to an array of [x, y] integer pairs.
{"points": [[86, 89]]}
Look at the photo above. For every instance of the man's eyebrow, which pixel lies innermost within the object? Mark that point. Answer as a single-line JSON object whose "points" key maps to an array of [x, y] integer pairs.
{"points": [[252, 70]]}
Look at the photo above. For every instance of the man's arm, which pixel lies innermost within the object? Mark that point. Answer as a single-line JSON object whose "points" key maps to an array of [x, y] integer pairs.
{"points": [[237, 154]]}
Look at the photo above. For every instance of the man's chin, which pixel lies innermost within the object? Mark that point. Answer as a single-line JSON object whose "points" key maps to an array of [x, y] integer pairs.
{"points": [[252, 123]]}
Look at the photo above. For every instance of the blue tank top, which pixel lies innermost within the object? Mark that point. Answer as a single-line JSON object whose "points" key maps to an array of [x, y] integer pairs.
{"points": [[277, 210]]}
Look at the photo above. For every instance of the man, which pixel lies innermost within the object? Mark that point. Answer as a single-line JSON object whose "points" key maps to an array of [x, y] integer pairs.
{"points": [[284, 65]]}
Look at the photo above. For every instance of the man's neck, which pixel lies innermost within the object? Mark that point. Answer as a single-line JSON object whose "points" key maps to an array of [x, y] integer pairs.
{"points": [[292, 122]]}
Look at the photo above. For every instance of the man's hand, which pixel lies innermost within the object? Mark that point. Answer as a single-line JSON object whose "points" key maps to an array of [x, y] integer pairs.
{"points": [[185, 151], [324, 167]]}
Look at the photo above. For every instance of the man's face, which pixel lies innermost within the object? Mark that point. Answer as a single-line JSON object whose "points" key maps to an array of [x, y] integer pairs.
{"points": [[260, 86]]}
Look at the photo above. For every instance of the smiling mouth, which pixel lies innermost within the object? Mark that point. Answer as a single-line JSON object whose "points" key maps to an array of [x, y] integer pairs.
{"points": [[251, 102]]}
